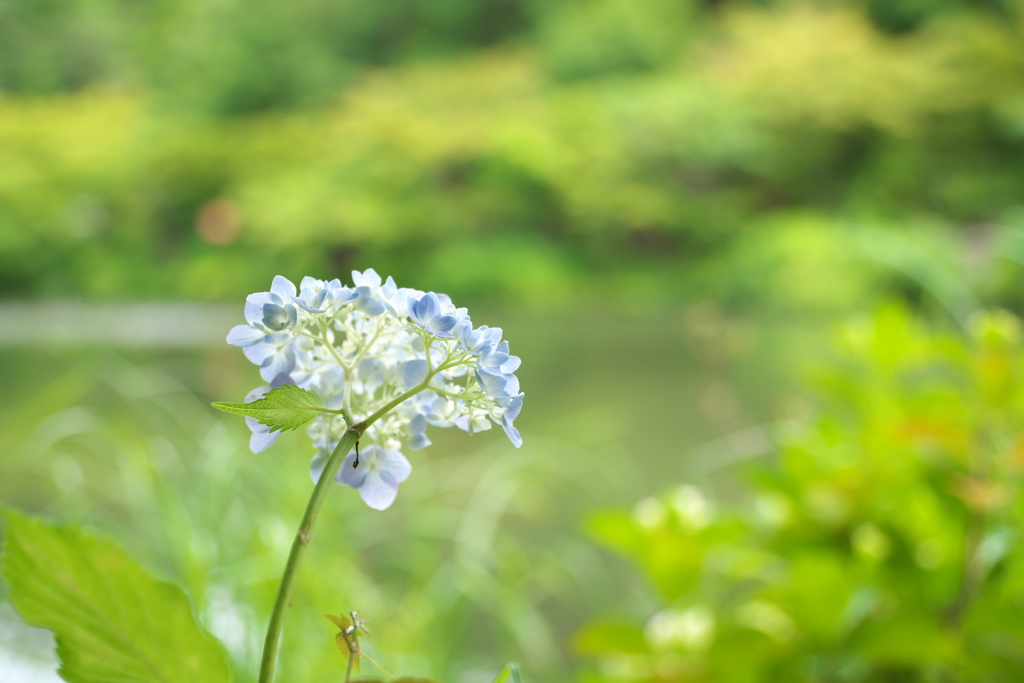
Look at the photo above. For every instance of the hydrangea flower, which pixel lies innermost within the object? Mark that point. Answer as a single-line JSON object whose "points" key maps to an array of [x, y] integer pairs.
{"points": [[398, 359]]}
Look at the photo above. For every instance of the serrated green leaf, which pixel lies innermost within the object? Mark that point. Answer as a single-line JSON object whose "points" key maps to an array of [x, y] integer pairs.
{"points": [[510, 674], [112, 620], [284, 408]]}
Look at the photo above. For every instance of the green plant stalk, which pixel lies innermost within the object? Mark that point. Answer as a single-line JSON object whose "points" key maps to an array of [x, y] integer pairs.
{"points": [[302, 538], [291, 571]]}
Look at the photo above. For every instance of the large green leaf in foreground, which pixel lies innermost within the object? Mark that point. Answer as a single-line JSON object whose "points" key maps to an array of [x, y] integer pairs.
{"points": [[114, 622]]}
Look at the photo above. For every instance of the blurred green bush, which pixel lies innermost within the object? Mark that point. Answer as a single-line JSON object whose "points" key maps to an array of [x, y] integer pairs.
{"points": [[880, 545], [530, 150]]}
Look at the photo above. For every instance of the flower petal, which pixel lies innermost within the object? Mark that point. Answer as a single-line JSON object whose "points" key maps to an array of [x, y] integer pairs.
{"points": [[443, 324], [367, 278], [367, 303], [426, 308], [513, 433], [492, 383], [261, 441], [283, 287], [414, 372], [317, 465], [254, 304], [513, 409], [282, 360], [379, 490], [394, 463], [244, 335], [259, 352], [354, 476]]}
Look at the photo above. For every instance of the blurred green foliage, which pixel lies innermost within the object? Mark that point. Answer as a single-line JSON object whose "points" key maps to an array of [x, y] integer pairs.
{"points": [[529, 150], [880, 544]]}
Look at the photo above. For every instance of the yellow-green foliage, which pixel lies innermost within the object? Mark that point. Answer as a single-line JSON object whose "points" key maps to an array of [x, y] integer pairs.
{"points": [[539, 151], [834, 69], [880, 542]]}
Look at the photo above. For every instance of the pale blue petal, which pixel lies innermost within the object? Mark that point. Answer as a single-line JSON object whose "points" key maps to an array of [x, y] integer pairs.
{"points": [[379, 490], [443, 324], [278, 318], [254, 306], [491, 383], [367, 278], [496, 357], [414, 372], [513, 409], [513, 434], [309, 309], [395, 464], [418, 433], [280, 380], [340, 293], [354, 476], [257, 353], [367, 303], [283, 360], [261, 441], [243, 335], [319, 462], [463, 332], [426, 308], [283, 287]]}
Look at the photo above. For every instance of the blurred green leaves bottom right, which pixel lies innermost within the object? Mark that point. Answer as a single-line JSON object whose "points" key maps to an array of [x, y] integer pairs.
{"points": [[881, 543]]}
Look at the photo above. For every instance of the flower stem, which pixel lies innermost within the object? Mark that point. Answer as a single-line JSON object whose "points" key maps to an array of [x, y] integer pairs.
{"points": [[386, 408], [302, 538]]}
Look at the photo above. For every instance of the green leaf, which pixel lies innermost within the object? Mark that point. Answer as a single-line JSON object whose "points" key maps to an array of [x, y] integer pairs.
{"points": [[342, 622], [112, 620], [510, 674], [283, 408]]}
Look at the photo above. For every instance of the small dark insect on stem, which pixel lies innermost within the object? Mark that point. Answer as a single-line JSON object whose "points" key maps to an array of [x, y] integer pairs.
{"points": [[355, 463]]}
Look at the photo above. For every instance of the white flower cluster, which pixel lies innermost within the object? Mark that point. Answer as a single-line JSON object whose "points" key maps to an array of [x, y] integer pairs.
{"points": [[399, 358]]}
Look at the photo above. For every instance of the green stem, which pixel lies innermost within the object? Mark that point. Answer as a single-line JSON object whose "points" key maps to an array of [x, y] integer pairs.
{"points": [[351, 658], [386, 408], [302, 538]]}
